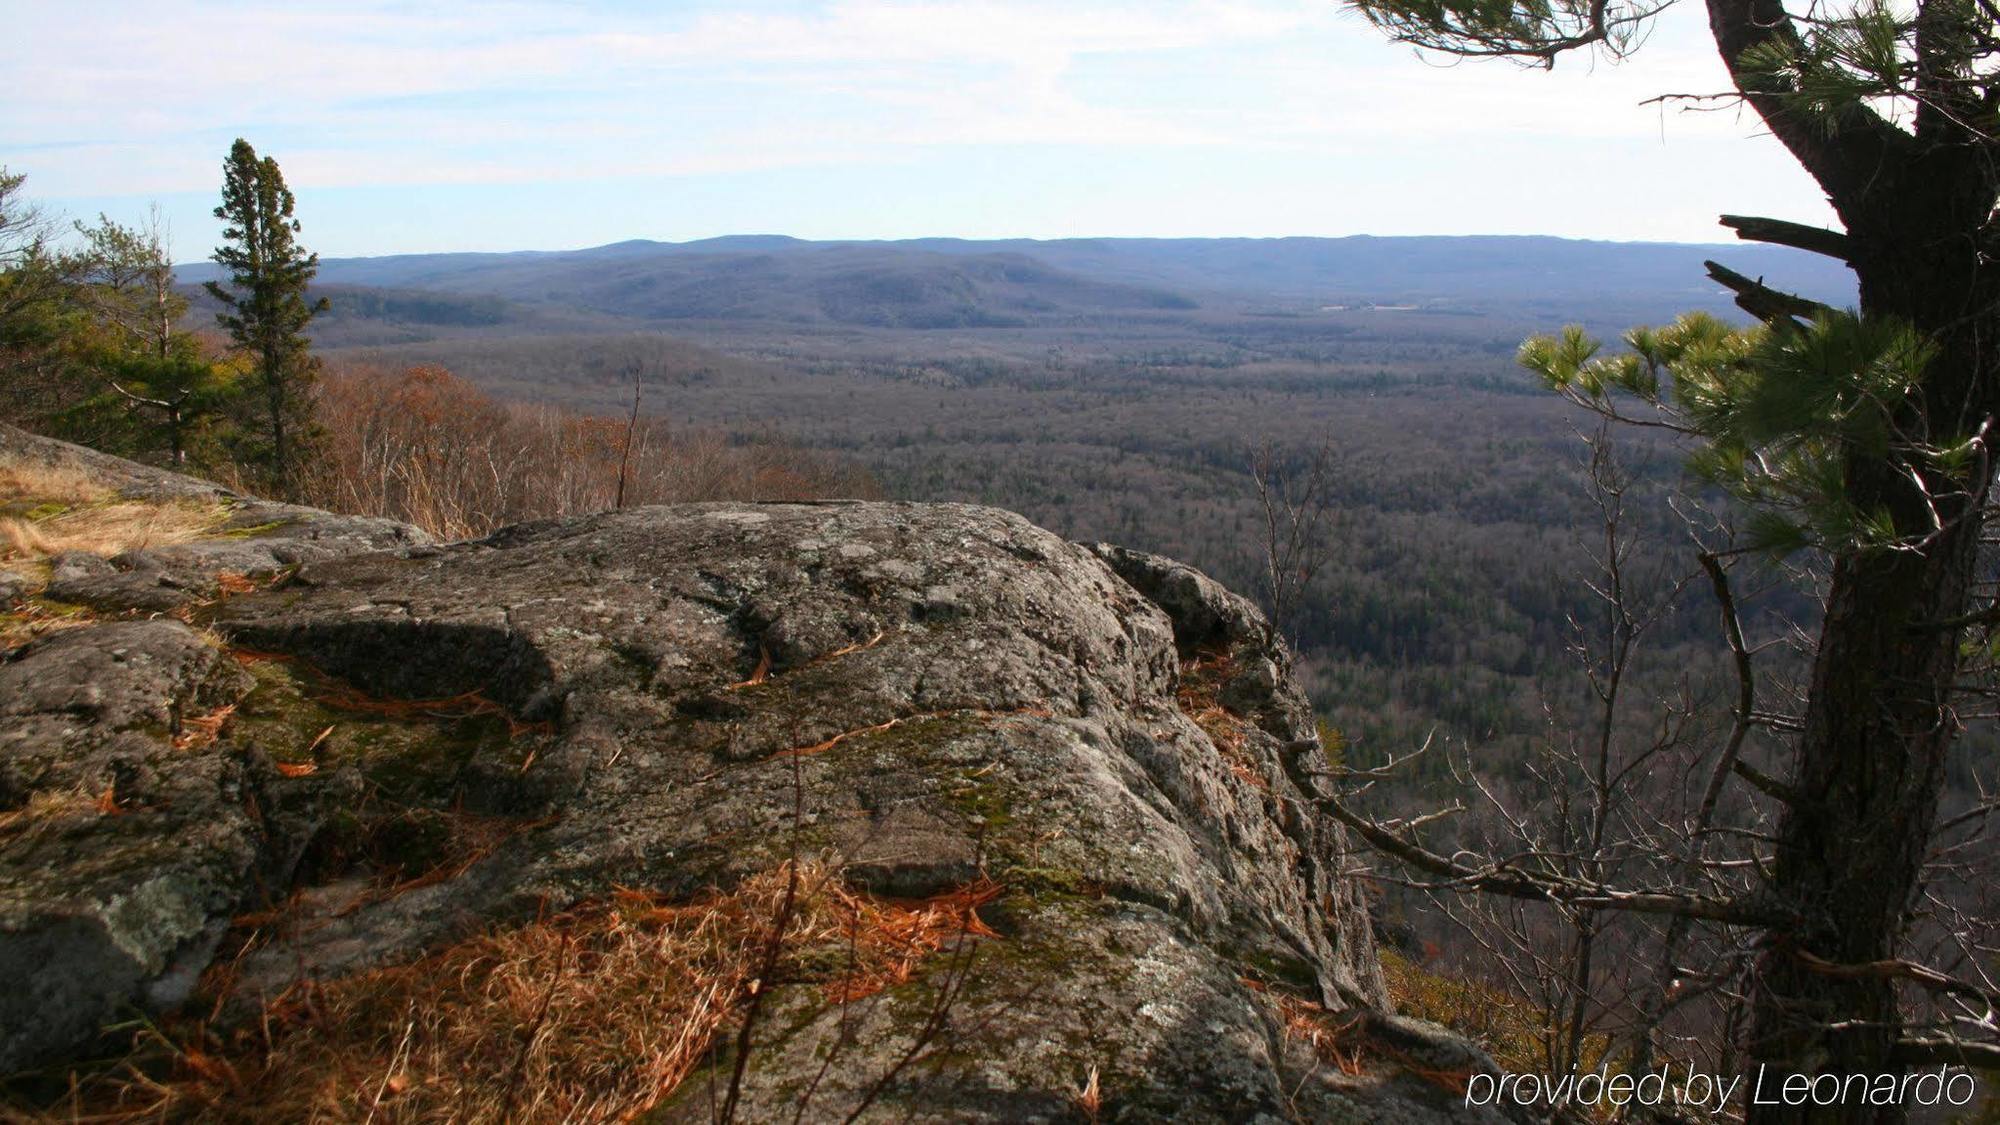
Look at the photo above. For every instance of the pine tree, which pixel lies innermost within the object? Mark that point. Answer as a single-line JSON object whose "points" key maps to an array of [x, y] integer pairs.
{"points": [[1866, 437], [155, 373], [39, 315], [265, 306]]}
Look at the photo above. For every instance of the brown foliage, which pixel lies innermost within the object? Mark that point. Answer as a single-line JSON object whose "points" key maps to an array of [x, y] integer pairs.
{"points": [[429, 448]]}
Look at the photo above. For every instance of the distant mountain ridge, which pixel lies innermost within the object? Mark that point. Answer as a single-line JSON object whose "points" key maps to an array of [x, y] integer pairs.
{"points": [[958, 283]]}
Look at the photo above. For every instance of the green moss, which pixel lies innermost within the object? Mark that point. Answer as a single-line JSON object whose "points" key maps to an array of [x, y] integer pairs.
{"points": [[984, 799], [1047, 883], [407, 758], [914, 736], [21, 622]]}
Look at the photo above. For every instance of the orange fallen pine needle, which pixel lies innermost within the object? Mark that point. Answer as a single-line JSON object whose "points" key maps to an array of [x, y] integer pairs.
{"points": [[297, 769], [230, 582], [210, 1067], [761, 674], [200, 730], [1089, 1098], [107, 801], [1334, 1040], [851, 649], [894, 936], [597, 979], [843, 736]]}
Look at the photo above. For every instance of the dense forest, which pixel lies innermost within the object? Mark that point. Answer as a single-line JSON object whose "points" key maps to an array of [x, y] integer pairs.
{"points": [[1459, 500]]}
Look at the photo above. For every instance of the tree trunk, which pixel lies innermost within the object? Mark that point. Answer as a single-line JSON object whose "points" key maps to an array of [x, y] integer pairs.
{"points": [[1852, 844], [174, 434], [1879, 721], [281, 454]]}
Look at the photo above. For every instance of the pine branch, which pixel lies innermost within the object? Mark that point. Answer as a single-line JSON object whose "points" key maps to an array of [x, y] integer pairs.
{"points": [[1844, 151]]}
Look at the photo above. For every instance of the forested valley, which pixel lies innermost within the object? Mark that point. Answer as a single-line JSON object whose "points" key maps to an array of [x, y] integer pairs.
{"points": [[1460, 517]]}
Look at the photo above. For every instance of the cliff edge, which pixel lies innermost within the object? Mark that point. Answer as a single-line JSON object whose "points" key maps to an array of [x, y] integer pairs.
{"points": [[280, 757]]}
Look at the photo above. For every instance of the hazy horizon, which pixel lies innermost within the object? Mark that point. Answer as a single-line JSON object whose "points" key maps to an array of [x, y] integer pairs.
{"points": [[187, 263]]}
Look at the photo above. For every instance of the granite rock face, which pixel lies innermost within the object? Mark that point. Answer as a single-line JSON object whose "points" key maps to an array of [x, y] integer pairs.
{"points": [[922, 695]]}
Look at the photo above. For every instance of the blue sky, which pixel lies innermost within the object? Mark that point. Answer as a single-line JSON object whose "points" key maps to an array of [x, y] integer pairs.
{"points": [[413, 127]]}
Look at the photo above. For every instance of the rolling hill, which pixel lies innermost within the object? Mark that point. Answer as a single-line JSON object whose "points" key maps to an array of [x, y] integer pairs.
{"points": [[942, 283]]}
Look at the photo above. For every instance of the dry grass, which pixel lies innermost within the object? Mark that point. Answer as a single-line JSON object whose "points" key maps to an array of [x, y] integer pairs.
{"points": [[595, 1014], [107, 528], [1510, 1028], [52, 808], [51, 509], [35, 483], [32, 619]]}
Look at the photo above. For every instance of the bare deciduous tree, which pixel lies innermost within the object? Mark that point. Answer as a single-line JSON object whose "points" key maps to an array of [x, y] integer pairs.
{"points": [[426, 446], [1647, 830], [1296, 496]]}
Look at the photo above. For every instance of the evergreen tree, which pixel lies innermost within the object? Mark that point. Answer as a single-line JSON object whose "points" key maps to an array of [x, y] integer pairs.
{"points": [[39, 315], [265, 306], [1864, 436], [157, 375]]}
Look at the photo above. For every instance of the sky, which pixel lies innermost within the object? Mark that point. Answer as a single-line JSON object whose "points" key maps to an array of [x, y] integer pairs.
{"points": [[446, 125]]}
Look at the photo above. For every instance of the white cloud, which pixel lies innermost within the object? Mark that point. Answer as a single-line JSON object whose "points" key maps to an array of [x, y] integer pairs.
{"points": [[142, 98]]}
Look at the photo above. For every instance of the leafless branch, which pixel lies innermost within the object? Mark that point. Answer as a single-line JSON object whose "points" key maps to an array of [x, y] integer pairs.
{"points": [[1779, 232], [1762, 301], [1506, 878]]}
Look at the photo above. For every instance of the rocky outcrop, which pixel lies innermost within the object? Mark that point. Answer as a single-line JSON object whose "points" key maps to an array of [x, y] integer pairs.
{"points": [[250, 535], [676, 699]]}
